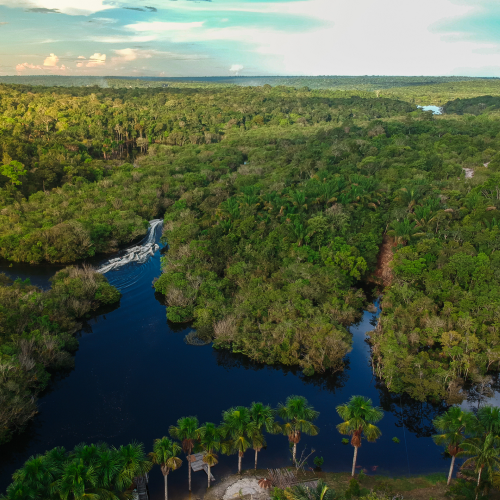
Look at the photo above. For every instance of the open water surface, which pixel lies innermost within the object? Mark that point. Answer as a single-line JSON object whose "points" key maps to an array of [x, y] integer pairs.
{"points": [[134, 376]]}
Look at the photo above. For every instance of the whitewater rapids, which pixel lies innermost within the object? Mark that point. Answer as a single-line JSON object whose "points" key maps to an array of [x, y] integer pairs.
{"points": [[138, 254]]}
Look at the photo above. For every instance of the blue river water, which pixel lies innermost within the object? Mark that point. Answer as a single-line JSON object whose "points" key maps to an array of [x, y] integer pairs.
{"points": [[134, 376]]}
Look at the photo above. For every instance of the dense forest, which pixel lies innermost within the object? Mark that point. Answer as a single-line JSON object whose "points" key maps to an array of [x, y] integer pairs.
{"points": [[60, 138], [276, 203]]}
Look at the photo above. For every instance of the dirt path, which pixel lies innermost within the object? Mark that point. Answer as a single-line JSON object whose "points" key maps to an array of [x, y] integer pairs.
{"points": [[383, 273]]}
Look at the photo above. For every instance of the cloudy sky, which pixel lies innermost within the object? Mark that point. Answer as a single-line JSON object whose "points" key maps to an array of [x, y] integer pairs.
{"points": [[250, 37]]}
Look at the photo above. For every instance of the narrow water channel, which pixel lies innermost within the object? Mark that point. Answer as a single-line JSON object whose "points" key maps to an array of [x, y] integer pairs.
{"points": [[134, 376]]}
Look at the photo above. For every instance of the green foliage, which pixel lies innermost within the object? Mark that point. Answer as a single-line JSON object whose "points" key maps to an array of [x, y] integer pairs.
{"points": [[436, 478], [395, 440], [278, 494], [276, 202], [472, 106], [320, 492], [107, 294], [36, 336], [318, 461], [465, 490], [89, 471], [13, 171], [353, 490], [345, 441]]}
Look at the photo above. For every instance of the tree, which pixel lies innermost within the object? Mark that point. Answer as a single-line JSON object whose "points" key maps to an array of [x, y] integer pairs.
{"points": [[320, 492], [453, 425], [298, 417], [235, 427], [186, 432], [483, 456], [78, 480], [404, 231], [19, 491], [489, 420], [209, 436], [261, 417], [36, 475], [164, 454], [133, 463], [358, 416], [13, 171]]}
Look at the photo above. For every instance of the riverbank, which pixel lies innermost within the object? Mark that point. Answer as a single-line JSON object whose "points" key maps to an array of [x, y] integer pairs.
{"points": [[419, 487]]}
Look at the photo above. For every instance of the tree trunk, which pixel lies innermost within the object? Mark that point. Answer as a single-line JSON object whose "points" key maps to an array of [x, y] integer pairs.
{"points": [[354, 460], [166, 490], [478, 481], [209, 473], [294, 453], [239, 463], [189, 469], [451, 470], [256, 453]]}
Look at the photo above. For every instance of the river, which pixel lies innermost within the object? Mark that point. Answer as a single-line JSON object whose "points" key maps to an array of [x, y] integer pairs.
{"points": [[134, 376]]}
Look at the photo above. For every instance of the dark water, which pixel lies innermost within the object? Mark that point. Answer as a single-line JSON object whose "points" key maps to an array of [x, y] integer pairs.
{"points": [[134, 376]]}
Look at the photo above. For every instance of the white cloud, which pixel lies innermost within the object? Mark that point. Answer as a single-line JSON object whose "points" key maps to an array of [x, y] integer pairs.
{"points": [[81, 57], [103, 20], [96, 60], [24, 66], [50, 64], [123, 39], [349, 38], [124, 55], [162, 26], [70, 7], [236, 68], [127, 55], [51, 61]]}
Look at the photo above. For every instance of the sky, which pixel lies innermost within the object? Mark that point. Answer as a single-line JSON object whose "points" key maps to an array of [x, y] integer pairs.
{"points": [[250, 37]]}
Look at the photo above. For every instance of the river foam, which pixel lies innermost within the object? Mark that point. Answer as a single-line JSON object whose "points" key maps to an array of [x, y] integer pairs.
{"points": [[138, 254]]}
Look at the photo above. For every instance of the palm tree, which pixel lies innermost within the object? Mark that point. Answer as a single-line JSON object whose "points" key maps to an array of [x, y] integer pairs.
{"points": [[489, 420], [36, 475], [78, 481], [19, 491], [186, 433], [404, 231], [320, 492], [133, 463], [209, 436], [108, 466], [235, 425], [453, 425], [358, 416], [483, 455], [164, 454], [261, 416], [298, 417]]}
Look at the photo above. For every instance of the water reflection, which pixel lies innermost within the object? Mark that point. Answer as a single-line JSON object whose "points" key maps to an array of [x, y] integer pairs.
{"points": [[415, 416], [330, 382]]}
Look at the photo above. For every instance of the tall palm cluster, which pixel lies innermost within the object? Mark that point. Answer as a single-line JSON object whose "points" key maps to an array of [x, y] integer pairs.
{"points": [[241, 429], [476, 437], [100, 472], [94, 471]]}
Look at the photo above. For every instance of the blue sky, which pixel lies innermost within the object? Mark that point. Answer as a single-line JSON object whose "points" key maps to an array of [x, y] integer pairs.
{"points": [[250, 37]]}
